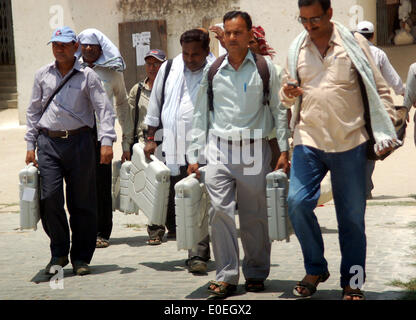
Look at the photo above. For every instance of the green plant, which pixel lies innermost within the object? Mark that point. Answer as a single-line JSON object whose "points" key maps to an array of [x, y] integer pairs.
{"points": [[410, 293]]}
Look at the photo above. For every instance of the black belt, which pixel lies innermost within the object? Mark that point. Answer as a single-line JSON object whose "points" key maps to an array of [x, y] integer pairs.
{"points": [[251, 141], [240, 142], [64, 134]]}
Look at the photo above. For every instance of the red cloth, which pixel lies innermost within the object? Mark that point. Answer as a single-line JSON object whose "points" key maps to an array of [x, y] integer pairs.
{"points": [[260, 37]]}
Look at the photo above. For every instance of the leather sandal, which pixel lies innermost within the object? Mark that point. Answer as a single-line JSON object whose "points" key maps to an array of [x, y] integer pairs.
{"points": [[311, 287], [102, 243], [224, 292], [254, 285], [350, 294], [154, 242]]}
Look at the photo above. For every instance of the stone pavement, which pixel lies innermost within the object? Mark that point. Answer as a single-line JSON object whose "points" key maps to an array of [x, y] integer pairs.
{"points": [[129, 269]]}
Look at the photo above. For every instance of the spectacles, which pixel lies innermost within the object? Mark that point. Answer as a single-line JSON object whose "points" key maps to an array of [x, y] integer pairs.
{"points": [[313, 20]]}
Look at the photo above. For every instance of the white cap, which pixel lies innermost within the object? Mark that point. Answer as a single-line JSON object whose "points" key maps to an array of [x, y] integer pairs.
{"points": [[365, 27]]}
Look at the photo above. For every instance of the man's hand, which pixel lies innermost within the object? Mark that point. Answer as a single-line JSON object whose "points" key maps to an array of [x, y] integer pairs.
{"points": [[194, 168], [384, 151], [292, 91], [126, 156], [283, 162], [149, 149], [219, 34], [106, 154], [31, 157]]}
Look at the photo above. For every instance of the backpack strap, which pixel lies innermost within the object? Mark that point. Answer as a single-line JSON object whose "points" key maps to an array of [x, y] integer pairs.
{"points": [[213, 69], [136, 113], [264, 72], [262, 69]]}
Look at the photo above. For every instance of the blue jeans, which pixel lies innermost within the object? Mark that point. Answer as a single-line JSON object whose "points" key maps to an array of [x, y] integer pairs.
{"points": [[309, 167]]}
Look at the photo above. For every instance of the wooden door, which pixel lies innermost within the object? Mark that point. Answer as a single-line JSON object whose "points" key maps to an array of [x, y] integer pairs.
{"points": [[129, 30]]}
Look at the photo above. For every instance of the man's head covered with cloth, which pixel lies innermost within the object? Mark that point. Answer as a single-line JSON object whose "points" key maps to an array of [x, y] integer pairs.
{"points": [[97, 49], [259, 44]]}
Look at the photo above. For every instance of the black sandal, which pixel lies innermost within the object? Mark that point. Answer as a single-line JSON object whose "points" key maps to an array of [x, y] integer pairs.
{"points": [[224, 292], [311, 287], [254, 285]]}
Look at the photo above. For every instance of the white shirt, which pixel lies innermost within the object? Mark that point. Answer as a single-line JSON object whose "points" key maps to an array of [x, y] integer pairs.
{"points": [[181, 90], [387, 70]]}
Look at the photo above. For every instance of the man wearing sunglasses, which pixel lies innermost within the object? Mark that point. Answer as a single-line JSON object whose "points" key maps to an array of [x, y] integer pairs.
{"points": [[322, 81]]}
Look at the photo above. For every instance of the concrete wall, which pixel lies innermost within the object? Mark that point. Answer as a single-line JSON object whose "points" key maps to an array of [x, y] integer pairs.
{"points": [[279, 19], [180, 15], [34, 22], [401, 57]]}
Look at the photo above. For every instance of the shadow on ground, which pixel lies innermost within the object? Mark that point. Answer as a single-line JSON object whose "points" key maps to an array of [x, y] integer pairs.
{"points": [[41, 277], [389, 197], [138, 241], [284, 289], [175, 265], [328, 231]]}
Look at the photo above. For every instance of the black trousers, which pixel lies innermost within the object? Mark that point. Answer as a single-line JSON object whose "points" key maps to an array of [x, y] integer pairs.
{"points": [[104, 197], [155, 231], [73, 160]]}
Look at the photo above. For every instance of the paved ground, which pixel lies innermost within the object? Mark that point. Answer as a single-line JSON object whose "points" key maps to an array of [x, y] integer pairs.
{"points": [[129, 269]]}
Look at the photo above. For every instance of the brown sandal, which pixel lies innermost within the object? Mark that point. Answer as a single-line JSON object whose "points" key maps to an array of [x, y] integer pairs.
{"points": [[311, 287], [224, 292], [102, 243], [154, 242]]}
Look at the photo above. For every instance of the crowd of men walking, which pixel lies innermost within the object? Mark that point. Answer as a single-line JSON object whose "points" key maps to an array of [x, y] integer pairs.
{"points": [[333, 99]]}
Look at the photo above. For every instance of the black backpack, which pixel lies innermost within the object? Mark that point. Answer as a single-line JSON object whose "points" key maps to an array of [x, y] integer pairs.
{"points": [[262, 69]]}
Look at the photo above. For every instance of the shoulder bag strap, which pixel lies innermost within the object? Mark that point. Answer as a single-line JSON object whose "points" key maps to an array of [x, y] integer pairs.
{"points": [[73, 72], [136, 113]]}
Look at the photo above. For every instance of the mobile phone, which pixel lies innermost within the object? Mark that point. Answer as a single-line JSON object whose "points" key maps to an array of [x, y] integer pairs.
{"points": [[293, 84]]}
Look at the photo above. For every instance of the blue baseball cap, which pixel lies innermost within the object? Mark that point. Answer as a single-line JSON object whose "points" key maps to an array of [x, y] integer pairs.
{"points": [[156, 53], [63, 34]]}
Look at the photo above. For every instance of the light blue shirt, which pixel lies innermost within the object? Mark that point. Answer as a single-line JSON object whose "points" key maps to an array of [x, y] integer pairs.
{"points": [[238, 105]]}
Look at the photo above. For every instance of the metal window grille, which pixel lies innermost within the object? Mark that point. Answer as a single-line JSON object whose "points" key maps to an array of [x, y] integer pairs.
{"points": [[6, 34]]}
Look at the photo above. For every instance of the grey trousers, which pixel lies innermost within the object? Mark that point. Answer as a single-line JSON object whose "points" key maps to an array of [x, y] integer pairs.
{"points": [[223, 179]]}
